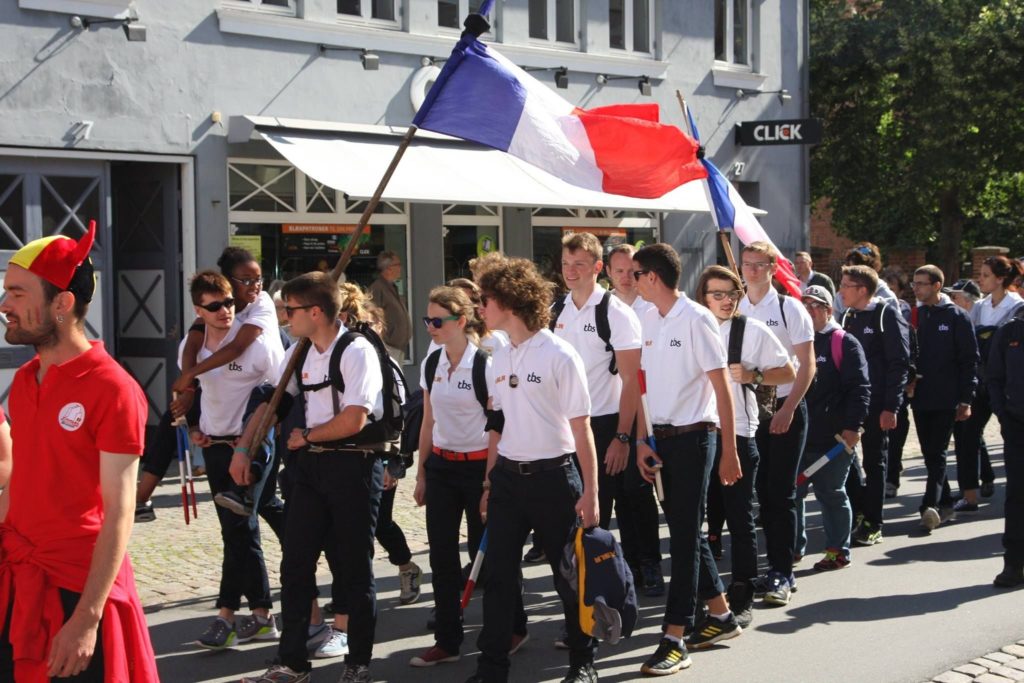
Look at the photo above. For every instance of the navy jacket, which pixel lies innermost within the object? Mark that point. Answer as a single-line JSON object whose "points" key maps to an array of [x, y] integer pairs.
{"points": [[1005, 368], [947, 358], [838, 398], [884, 336]]}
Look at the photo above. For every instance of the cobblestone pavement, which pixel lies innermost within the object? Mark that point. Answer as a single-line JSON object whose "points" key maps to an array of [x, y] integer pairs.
{"points": [[1004, 666]]}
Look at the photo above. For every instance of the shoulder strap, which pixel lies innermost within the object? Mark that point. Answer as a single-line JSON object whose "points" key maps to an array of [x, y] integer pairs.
{"points": [[303, 354], [837, 348], [556, 310], [431, 368], [782, 311], [604, 329], [480, 377], [739, 325], [913, 317], [335, 378]]}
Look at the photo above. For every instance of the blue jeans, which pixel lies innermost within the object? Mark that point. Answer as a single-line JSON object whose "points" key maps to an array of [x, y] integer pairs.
{"points": [[830, 490]]}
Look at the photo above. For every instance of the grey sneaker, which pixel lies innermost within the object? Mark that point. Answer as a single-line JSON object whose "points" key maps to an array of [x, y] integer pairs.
{"points": [[279, 674], [255, 627], [409, 581], [930, 519], [335, 646], [234, 502], [218, 635], [318, 635], [356, 673]]}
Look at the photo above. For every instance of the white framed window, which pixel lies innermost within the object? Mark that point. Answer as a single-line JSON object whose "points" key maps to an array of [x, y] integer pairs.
{"points": [[733, 32], [555, 21], [385, 12], [451, 13], [283, 7], [631, 25]]}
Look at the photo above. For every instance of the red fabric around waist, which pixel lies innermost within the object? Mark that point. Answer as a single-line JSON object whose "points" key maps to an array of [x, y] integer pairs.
{"points": [[456, 455]]}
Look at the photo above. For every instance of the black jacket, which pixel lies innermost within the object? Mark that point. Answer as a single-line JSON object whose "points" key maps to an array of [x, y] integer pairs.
{"points": [[838, 398], [947, 358], [884, 336], [1005, 368]]}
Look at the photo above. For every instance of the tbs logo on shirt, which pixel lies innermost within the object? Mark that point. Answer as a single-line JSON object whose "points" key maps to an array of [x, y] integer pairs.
{"points": [[868, 330], [587, 327], [71, 416], [772, 323], [234, 367], [943, 327], [820, 359], [463, 384], [675, 343]]}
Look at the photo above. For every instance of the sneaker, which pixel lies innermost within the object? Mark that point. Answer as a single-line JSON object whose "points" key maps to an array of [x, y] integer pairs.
{"points": [[760, 586], [218, 635], [318, 635], [335, 645], [654, 582], [356, 673], [988, 489], [946, 514], [669, 658], [198, 471], [930, 519], [432, 657], [229, 500], [562, 641], [583, 673], [834, 559], [255, 627], [891, 490], [867, 534], [409, 580], [964, 505], [518, 641], [535, 555], [711, 630], [1011, 576], [741, 601], [280, 674], [779, 589], [715, 542], [145, 512]]}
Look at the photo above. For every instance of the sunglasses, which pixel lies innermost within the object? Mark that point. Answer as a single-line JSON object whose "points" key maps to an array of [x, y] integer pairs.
{"points": [[248, 281], [215, 306], [438, 322], [733, 294], [638, 273], [288, 310]]}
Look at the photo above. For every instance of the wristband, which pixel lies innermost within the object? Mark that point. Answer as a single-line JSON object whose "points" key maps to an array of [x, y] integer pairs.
{"points": [[242, 449]]}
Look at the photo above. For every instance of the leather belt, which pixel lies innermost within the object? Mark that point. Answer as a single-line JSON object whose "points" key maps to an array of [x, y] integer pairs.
{"points": [[460, 456], [529, 467], [668, 431]]}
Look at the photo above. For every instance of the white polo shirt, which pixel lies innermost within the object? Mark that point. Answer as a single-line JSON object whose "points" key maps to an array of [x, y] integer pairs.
{"points": [[761, 351], [640, 306], [552, 390], [678, 352], [262, 314], [797, 328], [491, 343], [360, 368], [579, 328], [226, 389], [459, 419]]}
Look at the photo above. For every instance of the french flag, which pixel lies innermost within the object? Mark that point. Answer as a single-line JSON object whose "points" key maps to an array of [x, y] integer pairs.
{"points": [[620, 149], [732, 212]]}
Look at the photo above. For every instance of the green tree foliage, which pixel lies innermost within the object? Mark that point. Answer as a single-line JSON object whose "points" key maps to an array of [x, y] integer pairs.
{"points": [[924, 134]]}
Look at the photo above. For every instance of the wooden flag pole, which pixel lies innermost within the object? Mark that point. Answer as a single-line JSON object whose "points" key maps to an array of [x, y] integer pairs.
{"points": [[723, 235], [269, 415]]}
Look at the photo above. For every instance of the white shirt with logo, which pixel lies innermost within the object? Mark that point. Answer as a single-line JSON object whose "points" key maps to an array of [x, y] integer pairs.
{"points": [[678, 352], [797, 328], [459, 419], [262, 314], [762, 351], [579, 328], [552, 390], [360, 368]]}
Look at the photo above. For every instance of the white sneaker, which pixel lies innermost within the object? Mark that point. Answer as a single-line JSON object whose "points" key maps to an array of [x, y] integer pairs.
{"points": [[335, 646], [318, 635], [409, 580], [930, 519]]}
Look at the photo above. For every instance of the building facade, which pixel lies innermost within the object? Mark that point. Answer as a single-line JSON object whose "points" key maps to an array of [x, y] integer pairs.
{"points": [[156, 123]]}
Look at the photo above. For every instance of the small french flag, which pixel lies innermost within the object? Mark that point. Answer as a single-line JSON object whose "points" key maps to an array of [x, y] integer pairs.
{"points": [[619, 149]]}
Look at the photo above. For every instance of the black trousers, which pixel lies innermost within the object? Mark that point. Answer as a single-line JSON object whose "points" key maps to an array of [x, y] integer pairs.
{"points": [[68, 601], [635, 507], [1013, 509], [776, 486], [970, 459], [545, 502], [735, 505], [868, 498], [243, 571], [897, 440], [334, 499], [934, 427]]}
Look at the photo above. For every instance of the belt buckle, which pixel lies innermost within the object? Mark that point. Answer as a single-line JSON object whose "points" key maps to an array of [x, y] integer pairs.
{"points": [[524, 468]]}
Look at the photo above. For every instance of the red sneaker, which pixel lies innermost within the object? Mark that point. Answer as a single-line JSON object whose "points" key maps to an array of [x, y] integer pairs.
{"points": [[834, 559], [434, 655]]}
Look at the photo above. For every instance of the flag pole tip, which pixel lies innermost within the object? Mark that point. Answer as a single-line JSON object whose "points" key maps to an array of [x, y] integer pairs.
{"points": [[476, 25]]}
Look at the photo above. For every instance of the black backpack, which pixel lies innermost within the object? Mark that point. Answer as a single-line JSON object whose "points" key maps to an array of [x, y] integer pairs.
{"points": [[479, 374], [391, 423], [604, 330], [764, 393]]}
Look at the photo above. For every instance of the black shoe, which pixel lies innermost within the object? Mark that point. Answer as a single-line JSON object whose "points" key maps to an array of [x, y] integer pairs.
{"points": [[712, 630], [716, 546], [1011, 576], [669, 658], [988, 489], [230, 500], [741, 601], [535, 555], [654, 582], [584, 673], [144, 512]]}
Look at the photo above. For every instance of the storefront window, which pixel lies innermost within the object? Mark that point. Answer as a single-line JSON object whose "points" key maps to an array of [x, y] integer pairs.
{"points": [[470, 230]]}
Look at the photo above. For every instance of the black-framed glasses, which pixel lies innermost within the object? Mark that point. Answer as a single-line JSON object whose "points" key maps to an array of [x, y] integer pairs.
{"points": [[215, 306], [288, 310], [638, 273], [732, 294], [438, 322], [248, 281]]}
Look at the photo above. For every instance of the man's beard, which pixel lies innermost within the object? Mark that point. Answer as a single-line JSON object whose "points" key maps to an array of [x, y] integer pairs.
{"points": [[43, 337]]}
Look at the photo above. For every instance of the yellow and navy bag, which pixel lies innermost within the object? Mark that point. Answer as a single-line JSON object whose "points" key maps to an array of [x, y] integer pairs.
{"points": [[593, 567]]}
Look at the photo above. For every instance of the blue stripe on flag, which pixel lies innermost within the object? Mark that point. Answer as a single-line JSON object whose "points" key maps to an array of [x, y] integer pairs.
{"points": [[719, 187]]}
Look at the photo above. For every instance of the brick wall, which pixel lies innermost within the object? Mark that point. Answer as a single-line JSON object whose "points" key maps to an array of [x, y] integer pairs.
{"points": [[827, 246], [979, 254]]}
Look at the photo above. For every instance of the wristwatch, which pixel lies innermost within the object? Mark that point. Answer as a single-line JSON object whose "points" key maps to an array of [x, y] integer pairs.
{"points": [[623, 437], [305, 436], [758, 377]]}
